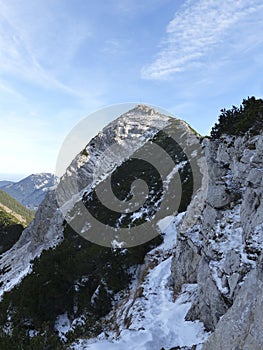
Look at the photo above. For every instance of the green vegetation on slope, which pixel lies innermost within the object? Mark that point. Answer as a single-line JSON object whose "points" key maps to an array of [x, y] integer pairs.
{"points": [[10, 231], [65, 279], [17, 208], [237, 121], [14, 217]]}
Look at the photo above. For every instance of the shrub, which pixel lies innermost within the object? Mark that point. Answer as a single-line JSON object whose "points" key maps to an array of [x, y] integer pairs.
{"points": [[238, 121]]}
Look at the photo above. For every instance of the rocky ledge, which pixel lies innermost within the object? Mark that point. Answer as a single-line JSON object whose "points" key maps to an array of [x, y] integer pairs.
{"points": [[221, 252]]}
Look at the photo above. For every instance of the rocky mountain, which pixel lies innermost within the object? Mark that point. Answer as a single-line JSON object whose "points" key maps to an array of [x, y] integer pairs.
{"points": [[77, 277], [5, 183], [195, 284], [31, 190], [216, 264]]}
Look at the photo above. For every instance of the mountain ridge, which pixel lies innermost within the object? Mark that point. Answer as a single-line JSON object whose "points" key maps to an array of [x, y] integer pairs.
{"points": [[31, 190], [204, 263]]}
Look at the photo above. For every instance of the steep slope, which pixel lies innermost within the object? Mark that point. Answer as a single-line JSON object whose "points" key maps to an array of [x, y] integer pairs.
{"points": [[14, 217], [31, 190], [219, 255], [222, 251], [76, 279], [10, 230], [149, 317], [11, 206]]}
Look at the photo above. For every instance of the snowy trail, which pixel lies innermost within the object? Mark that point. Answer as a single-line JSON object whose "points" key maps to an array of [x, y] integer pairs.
{"points": [[155, 320], [164, 319]]}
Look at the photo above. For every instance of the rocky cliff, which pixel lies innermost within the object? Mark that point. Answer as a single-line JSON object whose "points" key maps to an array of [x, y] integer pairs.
{"points": [[221, 252]]}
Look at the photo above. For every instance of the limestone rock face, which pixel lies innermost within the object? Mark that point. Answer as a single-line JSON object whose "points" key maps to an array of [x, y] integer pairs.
{"points": [[45, 231], [134, 127], [212, 305], [184, 269], [241, 326], [221, 251]]}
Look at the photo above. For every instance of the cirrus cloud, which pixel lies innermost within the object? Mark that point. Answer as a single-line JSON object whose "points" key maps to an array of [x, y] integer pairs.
{"points": [[198, 28]]}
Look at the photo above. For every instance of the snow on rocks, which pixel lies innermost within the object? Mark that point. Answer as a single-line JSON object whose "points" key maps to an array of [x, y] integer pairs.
{"points": [[151, 318]]}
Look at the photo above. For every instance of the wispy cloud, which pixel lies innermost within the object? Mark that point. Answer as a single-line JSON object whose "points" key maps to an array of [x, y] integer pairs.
{"points": [[38, 47], [6, 88], [198, 28]]}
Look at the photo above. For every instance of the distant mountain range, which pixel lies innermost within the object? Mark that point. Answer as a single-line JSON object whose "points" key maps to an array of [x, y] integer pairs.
{"points": [[5, 183], [31, 190]]}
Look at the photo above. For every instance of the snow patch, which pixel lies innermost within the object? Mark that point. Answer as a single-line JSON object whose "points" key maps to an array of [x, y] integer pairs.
{"points": [[153, 319], [62, 326]]}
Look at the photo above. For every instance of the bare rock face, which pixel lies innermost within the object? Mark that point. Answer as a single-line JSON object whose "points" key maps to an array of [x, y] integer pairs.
{"points": [[241, 326], [134, 127], [221, 252], [45, 231], [212, 305], [184, 268]]}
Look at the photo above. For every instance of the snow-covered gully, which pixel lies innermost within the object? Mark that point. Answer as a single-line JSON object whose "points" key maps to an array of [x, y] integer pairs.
{"points": [[151, 318]]}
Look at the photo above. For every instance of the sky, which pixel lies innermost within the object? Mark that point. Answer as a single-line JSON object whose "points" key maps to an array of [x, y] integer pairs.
{"points": [[61, 61]]}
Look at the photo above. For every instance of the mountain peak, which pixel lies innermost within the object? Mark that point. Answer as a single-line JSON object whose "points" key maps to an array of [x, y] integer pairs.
{"points": [[145, 109], [31, 190]]}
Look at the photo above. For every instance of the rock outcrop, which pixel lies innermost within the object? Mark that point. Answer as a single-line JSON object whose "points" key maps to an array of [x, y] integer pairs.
{"points": [[221, 252], [241, 326], [45, 231]]}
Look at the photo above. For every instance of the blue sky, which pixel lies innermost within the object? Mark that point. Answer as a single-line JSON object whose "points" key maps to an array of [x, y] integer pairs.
{"points": [[62, 60]]}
